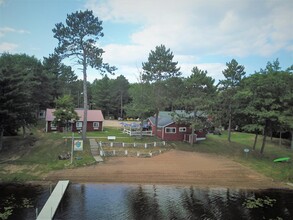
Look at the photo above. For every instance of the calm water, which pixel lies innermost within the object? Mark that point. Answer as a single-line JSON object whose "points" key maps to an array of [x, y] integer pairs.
{"points": [[116, 201]]}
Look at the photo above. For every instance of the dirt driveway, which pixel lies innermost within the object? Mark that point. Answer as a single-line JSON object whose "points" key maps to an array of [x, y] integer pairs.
{"points": [[172, 167]]}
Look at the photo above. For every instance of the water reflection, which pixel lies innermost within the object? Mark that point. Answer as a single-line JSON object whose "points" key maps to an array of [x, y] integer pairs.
{"points": [[116, 201]]}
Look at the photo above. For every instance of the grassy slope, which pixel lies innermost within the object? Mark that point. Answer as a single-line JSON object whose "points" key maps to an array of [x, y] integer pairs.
{"points": [[235, 150], [31, 161]]}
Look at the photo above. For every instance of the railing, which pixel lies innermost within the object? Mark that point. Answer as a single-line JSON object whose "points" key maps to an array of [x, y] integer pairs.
{"points": [[142, 145], [137, 133]]}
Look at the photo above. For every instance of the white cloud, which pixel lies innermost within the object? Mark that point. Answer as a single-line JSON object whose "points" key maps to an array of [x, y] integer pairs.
{"points": [[197, 27], [7, 47], [5, 30]]}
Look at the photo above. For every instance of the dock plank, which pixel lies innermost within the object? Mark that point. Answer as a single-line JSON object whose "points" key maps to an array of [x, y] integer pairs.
{"points": [[50, 207]]}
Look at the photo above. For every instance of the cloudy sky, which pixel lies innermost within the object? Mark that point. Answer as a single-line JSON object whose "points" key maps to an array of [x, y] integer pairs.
{"points": [[202, 33]]}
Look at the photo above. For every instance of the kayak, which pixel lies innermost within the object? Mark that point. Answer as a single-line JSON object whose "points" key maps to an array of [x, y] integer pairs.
{"points": [[282, 159]]}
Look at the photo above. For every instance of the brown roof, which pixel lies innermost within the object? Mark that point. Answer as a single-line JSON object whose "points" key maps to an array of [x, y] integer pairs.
{"points": [[92, 115]]}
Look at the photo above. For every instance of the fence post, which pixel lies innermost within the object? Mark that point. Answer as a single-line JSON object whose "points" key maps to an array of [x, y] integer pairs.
{"points": [[126, 152], [164, 143], [134, 145], [145, 145], [155, 144], [111, 144], [123, 144], [137, 154], [114, 152]]}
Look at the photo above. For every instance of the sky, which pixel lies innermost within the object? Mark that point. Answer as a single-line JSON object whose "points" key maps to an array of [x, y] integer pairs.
{"points": [[202, 33]]}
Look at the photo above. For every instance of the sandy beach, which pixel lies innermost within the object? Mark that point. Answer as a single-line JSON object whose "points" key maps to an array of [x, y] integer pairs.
{"points": [[172, 167]]}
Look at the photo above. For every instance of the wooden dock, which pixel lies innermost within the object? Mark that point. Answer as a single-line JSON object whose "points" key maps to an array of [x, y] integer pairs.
{"points": [[49, 209]]}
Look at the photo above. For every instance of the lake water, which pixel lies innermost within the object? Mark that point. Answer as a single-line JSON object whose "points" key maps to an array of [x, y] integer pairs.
{"points": [[123, 201]]}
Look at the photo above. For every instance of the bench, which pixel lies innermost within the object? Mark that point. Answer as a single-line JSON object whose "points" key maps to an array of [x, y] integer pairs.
{"points": [[111, 138]]}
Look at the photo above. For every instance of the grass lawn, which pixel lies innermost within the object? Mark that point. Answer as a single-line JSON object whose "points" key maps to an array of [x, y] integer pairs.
{"points": [[30, 158], [235, 150]]}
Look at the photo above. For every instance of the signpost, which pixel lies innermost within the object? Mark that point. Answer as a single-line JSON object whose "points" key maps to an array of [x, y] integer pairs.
{"points": [[246, 151], [76, 145]]}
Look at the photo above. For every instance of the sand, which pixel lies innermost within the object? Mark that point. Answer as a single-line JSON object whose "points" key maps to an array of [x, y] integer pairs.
{"points": [[172, 167]]}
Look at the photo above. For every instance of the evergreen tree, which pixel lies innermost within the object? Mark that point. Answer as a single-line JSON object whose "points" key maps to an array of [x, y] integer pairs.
{"points": [[233, 74], [160, 67], [78, 39]]}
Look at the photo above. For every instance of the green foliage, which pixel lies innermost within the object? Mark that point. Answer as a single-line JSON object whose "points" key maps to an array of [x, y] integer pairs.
{"points": [[61, 76], [254, 203], [78, 39], [103, 95], [265, 99], [10, 204], [160, 65], [64, 112], [227, 102], [141, 104]]}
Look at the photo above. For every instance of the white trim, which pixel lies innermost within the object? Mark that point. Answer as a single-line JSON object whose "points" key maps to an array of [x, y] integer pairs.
{"points": [[182, 129], [96, 127], [78, 125], [168, 132], [52, 126]]}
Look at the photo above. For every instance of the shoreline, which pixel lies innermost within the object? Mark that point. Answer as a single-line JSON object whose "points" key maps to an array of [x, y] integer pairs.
{"points": [[174, 167]]}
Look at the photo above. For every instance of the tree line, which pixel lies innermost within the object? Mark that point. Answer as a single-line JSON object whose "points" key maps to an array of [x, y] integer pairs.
{"points": [[260, 102]]}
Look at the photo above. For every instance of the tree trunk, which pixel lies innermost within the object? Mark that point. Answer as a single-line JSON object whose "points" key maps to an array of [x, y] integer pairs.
{"points": [[23, 131], [121, 105], [1, 137], [229, 129], [156, 122], [291, 139], [84, 127], [264, 138], [192, 137], [141, 126], [255, 140], [280, 139], [230, 122]]}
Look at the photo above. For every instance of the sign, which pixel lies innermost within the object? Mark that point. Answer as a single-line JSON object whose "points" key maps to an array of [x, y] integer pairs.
{"points": [[78, 145]]}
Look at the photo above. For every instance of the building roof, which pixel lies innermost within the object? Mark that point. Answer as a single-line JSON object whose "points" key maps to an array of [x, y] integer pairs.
{"points": [[169, 117], [92, 115], [165, 118]]}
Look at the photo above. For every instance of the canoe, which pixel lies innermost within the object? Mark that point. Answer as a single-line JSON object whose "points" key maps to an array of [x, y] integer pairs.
{"points": [[282, 159]]}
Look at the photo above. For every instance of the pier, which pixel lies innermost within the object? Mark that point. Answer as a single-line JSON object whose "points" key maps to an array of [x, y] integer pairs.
{"points": [[49, 209]]}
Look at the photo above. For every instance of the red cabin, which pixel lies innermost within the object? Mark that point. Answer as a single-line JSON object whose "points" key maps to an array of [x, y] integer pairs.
{"points": [[95, 121], [169, 130]]}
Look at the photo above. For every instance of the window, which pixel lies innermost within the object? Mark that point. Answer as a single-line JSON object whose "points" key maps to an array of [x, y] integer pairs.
{"points": [[78, 125], [170, 130], [96, 124], [53, 126], [182, 129]]}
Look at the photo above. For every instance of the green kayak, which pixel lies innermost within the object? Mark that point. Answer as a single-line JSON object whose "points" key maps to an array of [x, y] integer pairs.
{"points": [[282, 159]]}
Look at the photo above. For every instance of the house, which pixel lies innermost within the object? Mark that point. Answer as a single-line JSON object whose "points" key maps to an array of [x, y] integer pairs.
{"points": [[95, 121], [169, 130]]}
